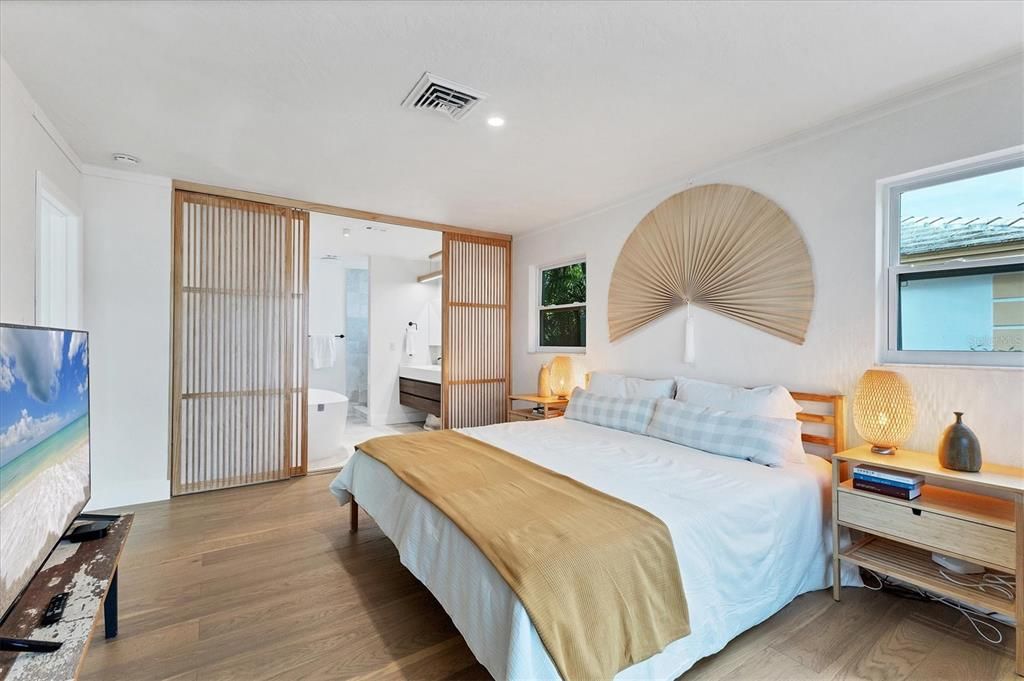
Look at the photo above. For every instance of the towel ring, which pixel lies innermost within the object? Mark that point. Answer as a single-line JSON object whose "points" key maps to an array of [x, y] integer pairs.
{"points": [[415, 325]]}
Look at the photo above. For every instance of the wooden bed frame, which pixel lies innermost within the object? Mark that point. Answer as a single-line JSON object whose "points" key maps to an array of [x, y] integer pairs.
{"points": [[834, 422]]}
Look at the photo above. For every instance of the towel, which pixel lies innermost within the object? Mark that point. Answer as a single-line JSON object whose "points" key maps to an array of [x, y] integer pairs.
{"points": [[411, 333], [321, 351]]}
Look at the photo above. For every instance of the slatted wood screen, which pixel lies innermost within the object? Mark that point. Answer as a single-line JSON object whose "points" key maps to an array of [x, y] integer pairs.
{"points": [[475, 343], [240, 344]]}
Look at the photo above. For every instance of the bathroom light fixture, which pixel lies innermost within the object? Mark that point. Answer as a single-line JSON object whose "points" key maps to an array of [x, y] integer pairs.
{"points": [[495, 121], [429, 276], [125, 159]]}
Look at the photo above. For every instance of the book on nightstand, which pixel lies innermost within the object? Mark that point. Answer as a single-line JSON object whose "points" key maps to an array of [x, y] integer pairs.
{"points": [[888, 482], [888, 490]]}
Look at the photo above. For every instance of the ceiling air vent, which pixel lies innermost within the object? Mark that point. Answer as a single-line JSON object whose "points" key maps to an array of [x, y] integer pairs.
{"points": [[433, 93]]}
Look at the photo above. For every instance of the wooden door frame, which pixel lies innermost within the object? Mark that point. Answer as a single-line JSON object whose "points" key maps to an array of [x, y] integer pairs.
{"points": [[329, 209], [342, 211]]}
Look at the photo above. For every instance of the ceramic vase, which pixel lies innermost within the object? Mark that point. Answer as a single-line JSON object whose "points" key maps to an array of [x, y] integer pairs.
{"points": [[544, 381], [959, 449]]}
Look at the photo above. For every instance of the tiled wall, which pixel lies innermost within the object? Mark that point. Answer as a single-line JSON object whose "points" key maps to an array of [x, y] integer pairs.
{"points": [[357, 299]]}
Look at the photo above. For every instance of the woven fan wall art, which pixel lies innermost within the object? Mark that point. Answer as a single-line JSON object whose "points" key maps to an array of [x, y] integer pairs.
{"points": [[721, 247]]}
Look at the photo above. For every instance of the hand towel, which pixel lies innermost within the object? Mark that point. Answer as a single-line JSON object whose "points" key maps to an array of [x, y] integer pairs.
{"points": [[321, 351], [411, 334]]}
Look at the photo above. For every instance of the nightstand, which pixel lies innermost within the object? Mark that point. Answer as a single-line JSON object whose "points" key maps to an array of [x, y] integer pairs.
{"points": [[552, 407], [980, 521]]}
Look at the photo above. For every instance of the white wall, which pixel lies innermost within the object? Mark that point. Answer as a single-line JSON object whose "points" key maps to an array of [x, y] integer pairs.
{"points": [[127, 311], [826, 182], [396, 299], [27, 147]]}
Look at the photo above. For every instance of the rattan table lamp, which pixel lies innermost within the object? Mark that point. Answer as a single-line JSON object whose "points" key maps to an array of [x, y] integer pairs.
{"points": [[883, 410]]}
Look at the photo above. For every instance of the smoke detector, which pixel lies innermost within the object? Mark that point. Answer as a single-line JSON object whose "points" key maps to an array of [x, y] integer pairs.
{"points": [[125, 159], [434, 93]]}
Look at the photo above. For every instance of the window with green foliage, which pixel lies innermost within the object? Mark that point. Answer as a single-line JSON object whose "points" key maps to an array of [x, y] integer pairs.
{"points": [[562, 306]]}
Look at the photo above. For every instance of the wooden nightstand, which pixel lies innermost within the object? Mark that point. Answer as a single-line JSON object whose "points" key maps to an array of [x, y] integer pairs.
{"points": [[981, 522], [553, 406]]}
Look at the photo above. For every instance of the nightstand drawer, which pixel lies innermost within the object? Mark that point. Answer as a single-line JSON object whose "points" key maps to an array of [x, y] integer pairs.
{"points": [[970, 539]]}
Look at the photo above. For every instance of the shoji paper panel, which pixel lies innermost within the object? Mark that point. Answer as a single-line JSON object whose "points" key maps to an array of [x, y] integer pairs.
{"points": [[239, 342], [475, 366]]}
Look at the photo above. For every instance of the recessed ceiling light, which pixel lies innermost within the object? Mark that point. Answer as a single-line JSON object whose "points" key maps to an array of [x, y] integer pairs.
{"points": [[125, 159], [495, 121]]}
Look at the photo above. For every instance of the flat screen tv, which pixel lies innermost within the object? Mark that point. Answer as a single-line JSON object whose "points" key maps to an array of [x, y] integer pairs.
{"points": [[44, 447]]}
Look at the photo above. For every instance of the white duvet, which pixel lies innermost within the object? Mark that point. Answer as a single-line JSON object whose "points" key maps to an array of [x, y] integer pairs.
{"points": [[748, 538]]}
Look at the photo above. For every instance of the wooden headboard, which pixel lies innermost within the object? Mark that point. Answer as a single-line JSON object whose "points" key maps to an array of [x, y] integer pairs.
{"points": [[832, 422]]}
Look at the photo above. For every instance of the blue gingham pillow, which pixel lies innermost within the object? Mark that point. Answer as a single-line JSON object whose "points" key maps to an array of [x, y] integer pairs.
{"points": [[760, 439], [630, 415]]}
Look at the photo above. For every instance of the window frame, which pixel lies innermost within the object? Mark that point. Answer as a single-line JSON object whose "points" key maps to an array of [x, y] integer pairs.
{"points": [[537, 284], [890, 268], [74, 264]]}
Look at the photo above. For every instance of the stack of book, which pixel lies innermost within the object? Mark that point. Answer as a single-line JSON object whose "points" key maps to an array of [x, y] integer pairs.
{"points": [[887, 481]]}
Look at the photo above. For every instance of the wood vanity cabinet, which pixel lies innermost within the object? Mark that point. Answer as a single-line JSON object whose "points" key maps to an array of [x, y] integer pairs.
{"points": [[420, 395]]}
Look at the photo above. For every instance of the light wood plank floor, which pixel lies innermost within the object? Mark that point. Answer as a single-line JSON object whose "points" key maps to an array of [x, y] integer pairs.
{"points": [[266, 582]]}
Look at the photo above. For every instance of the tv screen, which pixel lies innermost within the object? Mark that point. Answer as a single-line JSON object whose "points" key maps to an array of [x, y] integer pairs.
{"points": [[44, 446]]}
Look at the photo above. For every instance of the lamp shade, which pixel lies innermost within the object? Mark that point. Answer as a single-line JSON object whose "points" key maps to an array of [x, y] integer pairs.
{"points": [[883, 409], [562, 381]]}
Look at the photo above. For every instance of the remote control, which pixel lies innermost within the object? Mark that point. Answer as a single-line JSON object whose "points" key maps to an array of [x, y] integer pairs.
{"points": [[55, 609], [18, 645]]}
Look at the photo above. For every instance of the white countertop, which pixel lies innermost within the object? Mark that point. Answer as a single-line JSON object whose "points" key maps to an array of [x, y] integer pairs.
{"points": [[428, 373]]}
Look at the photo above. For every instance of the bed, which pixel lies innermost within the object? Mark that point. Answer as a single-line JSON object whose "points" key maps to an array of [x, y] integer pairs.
{"points": [[748, 538]]}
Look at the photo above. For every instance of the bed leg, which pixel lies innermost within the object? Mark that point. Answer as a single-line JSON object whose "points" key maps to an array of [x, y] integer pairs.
{"points": [[353, 519]]}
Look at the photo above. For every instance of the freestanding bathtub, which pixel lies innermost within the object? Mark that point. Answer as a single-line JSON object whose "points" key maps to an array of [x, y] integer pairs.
{"points": [[328, 412]]}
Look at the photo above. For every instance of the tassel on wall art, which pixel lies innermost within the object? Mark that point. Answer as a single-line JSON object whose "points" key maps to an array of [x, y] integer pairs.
{"points": [[689, 349]]}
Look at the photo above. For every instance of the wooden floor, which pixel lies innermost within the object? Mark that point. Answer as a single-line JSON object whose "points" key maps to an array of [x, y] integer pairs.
{"points": [[266, 582]]}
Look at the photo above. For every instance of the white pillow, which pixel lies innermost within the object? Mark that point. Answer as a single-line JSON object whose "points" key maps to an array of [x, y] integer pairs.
{"points": [[771, 401], [761, 439], [617, 385]]}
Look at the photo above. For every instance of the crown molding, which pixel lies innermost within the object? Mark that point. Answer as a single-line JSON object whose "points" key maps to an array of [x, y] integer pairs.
{"points": [[93, 170]]}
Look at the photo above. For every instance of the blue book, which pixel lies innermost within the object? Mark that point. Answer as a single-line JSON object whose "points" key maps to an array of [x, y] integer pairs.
{"points": [[869, 477]]}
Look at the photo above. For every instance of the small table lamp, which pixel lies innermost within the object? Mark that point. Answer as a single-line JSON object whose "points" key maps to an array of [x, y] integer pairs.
{"points": [[562, 381], [883, 410]]}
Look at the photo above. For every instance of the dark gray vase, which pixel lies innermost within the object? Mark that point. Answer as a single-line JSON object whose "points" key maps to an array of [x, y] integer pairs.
{"points": [[959, 449]]}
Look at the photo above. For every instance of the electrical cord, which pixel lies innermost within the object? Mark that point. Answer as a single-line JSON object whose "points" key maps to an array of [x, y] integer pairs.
{"points": [[979, 620]]}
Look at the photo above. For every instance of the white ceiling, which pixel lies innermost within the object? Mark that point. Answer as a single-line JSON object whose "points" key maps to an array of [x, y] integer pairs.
{"points": [[603, 100], [327, 237]]}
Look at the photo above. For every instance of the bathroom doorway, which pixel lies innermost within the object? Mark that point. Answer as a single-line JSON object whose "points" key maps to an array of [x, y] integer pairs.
{"points": [[374, 320]]}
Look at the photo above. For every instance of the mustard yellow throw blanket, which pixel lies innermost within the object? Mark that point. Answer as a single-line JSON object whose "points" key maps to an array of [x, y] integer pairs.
{"points": [[597, 575]]}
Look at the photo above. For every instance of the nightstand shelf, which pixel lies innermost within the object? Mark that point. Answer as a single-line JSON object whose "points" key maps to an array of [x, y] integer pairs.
{"points": [[977, 517], [551, 407], [914, 565]]}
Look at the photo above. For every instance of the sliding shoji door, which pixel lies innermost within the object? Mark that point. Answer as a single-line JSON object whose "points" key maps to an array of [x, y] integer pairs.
{"points": [[239, 344], [477, 303]]}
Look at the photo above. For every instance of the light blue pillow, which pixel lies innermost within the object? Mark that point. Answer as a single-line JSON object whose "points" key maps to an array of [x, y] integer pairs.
{"points": [[761, 439], [630, 415]]}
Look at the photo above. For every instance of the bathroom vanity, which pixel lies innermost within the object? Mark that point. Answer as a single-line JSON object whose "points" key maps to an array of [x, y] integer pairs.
{"points": [[419, 387]]}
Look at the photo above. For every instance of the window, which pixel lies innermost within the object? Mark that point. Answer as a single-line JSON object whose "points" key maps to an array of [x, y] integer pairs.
{"points": [[954, 261], [58, 258], [561, 310]]}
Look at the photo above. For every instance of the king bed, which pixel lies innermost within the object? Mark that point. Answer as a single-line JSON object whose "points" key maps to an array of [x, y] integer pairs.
{"points": [[747, 538]]}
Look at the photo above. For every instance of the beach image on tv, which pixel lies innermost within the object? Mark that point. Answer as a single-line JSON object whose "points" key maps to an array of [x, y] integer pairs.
{"points": [[44, 446]]}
